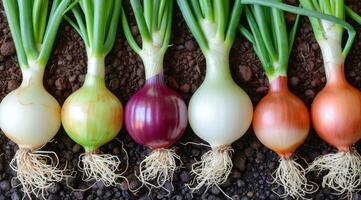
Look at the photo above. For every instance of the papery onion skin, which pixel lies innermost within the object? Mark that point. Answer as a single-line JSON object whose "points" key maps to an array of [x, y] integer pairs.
{"points": [[156, 116], [336, 111], [29, 115], [92, 116], [281, 120]]}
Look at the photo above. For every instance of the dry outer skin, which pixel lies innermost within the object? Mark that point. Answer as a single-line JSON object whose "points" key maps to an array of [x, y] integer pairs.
{"points": [[185, 70]]}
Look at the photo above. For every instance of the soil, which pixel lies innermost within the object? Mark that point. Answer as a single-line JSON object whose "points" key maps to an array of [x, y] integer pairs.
{"points": [[184, 70]]}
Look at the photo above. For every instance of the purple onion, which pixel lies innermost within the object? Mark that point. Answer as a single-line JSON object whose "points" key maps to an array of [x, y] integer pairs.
{"points": [[156, 116]]}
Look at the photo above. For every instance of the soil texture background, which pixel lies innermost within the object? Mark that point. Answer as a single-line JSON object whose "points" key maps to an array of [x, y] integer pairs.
{"points": [[184, 70]]}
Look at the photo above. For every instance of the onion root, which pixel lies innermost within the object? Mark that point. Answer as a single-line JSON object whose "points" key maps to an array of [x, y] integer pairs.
{"points": [[344, 171], [292, 177], [213, 169], [36, 171], [101, 167], [159, 166]]}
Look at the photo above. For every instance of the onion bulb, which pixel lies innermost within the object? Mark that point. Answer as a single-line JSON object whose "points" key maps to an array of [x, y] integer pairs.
{"points": [[281, 122], [220, 112], [93, 116], [156, 116]]}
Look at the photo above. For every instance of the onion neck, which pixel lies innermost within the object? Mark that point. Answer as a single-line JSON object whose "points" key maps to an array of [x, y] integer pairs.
{"points": [[217, 55], [95, 76], [33, 75], [217, 59], [217, 69], [152, 56], [278, 84], [333, 61]]}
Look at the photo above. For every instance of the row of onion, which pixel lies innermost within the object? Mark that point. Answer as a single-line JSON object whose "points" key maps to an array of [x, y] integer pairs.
{"points": [[219, 112]]}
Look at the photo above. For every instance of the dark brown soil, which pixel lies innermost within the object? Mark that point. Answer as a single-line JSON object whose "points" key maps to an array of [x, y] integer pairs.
{"points": [[184, 69]]}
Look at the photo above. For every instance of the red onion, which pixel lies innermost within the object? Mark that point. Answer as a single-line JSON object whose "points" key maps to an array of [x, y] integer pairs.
{"points": [[156, 116]]}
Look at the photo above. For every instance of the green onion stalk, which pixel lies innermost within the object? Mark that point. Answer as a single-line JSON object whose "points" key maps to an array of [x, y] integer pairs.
{"points": [[29, 115], [155, 116], [92, 116], [281, 120], [220, 112], [335, 110]]}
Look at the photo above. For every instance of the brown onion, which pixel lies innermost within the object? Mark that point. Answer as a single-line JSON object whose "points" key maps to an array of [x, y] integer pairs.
{"points": [[281, 120], [336, 111]]}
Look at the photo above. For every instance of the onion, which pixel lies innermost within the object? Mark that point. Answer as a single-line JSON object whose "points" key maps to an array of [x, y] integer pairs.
{"points": [[337, 120], [281, 120], [336, 111], [92, 116], [219, 107], [29, 115], [33, 107], [220, 112], [156, 116]]}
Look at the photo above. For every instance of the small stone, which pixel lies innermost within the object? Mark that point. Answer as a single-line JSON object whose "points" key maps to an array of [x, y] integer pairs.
{"points": [[78, 195], [12, 85], [310, 93], [214, 190], [315, 46], [245, 72], [260, 156], [184, 177], [261, 90], [72, 79], [134, 30], [54, 188], [124, 186], [185, 88], [190, 45], [250, 194], [315, 82], [240, 183], [69, 57], [61, 84], [248, 152], [4, 185], [7, 48], [76, 148], [294, 80], [240, 163], [114, 84], [15, 196]]}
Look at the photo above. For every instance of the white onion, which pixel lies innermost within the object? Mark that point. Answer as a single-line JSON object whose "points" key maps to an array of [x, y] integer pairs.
{"points": [[29, 115], [220, 112]]}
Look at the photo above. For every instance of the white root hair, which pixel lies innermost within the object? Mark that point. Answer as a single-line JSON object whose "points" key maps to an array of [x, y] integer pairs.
{"points": [[212, 170], [158, 167], [102, 167], [343, 171], [37, 171], [292, 177]]}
